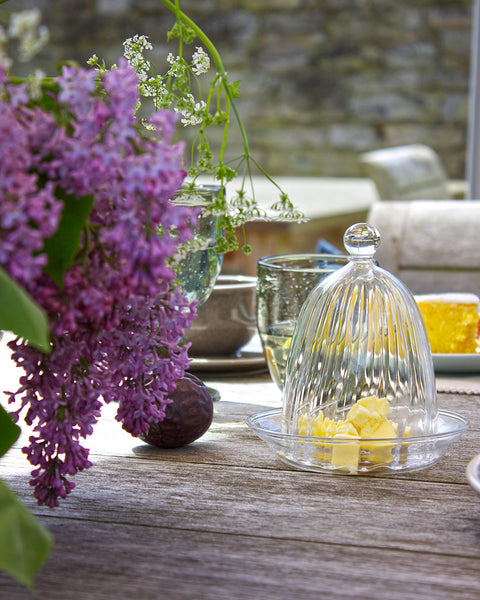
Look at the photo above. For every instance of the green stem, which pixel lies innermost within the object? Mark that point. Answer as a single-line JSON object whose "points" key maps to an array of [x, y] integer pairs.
{"points": [[48, 83], [180, 41], [210, 46], [225, 132]]}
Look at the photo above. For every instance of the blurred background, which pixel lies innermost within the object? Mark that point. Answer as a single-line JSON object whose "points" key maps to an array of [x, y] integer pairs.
{"points": [[321, 80]]}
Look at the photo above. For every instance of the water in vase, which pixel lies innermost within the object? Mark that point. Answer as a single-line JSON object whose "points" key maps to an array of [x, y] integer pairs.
{"points": [[199, 269]]}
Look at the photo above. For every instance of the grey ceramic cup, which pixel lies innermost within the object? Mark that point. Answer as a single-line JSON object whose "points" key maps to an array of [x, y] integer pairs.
{"points": [[227, 320]]}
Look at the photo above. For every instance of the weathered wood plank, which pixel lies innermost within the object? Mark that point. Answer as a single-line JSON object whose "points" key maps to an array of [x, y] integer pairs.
{"points": [[378, 512], [223, 518], [230, 442], [124, 561]]}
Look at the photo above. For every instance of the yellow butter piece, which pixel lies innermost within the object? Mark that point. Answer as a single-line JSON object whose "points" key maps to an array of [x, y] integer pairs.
{"points": [[381, 452], [318, 427], [346, 455], [302, 424], [358, 415], [386, 429], [370, 403], [330, 427], [346, 428], [374, 404], [362, 418], [366, 419], [368, 430]]}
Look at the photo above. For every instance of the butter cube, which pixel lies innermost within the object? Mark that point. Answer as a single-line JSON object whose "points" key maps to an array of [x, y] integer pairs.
{"points": [[366, 419], [346, 455], [330, 428], [346, 428], [370, 403], [383, 407], [358, 415], [381, 452], [374, 404], [385, 430], [302, 424], [318, 426], [367, 431]]}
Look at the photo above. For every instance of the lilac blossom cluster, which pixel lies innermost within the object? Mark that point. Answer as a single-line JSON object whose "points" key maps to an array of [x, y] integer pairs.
{"points": [[117, 321]]}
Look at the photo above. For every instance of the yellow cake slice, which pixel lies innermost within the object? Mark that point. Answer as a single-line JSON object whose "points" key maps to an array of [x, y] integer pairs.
{"points": [[451, 321]]}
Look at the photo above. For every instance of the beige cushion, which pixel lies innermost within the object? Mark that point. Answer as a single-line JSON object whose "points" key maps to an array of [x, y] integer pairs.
{"points": [[432, 246], [407, 173]]}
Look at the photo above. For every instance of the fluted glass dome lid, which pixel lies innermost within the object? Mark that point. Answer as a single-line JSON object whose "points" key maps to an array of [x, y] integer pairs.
{"points": [[360, 335], [359, 393]]}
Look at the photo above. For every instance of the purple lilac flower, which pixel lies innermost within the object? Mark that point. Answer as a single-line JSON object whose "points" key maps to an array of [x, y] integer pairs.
{"points": [[118, 321], [76, 88]]}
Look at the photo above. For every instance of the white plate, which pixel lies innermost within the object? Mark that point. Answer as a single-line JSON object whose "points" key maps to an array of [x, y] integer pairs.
{"points": [[473, 473], [456, 363], [245, 361]]}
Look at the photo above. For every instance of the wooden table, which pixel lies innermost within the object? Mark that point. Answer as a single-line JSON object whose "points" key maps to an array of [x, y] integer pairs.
{"points": [[225, 519]]}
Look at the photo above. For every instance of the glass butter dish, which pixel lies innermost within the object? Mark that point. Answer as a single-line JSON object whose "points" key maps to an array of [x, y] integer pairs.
{"points": [[359, 393]]}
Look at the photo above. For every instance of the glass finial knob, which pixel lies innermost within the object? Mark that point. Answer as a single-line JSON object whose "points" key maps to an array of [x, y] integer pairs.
{"points": [[361, 240]]}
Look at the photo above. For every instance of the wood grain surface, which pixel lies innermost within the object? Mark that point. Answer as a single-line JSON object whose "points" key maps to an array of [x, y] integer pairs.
{"points": [[224, 519]]}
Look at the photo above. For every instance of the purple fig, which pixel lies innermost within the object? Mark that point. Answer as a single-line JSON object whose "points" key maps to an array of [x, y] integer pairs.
{"points": [[186, 418]]}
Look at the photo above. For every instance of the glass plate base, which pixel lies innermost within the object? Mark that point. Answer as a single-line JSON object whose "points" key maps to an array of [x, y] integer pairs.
{"points": [[334, 455]]}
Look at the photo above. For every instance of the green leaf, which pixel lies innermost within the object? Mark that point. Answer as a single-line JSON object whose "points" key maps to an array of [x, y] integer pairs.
{"points": [[24, 542], [61, 249], [9, 431], [21, 315]]}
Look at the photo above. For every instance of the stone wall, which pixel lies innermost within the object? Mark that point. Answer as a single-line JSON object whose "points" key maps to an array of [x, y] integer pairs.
{"points": [[322, 80]]}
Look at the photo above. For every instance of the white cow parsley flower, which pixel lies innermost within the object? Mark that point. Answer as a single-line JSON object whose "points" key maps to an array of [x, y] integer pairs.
{"points": [[201, 61]]}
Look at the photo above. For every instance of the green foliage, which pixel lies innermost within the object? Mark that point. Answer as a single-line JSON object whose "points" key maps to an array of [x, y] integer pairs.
{"points": [[21, 315], [62, 247], [24, 542], [9, 431]]}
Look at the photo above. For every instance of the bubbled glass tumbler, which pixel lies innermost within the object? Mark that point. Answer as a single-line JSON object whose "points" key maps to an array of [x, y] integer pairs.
{"points": [[284, 282]]}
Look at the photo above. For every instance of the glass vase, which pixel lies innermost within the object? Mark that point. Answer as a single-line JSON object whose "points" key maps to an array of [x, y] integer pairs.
{"points": [[199, 268]]}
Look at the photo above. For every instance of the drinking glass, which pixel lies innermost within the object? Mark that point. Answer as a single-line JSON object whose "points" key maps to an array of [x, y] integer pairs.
{"points": [[283, 284]]}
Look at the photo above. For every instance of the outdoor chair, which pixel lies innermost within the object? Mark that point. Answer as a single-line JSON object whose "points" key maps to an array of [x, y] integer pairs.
{"points": [[412, 172]]}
